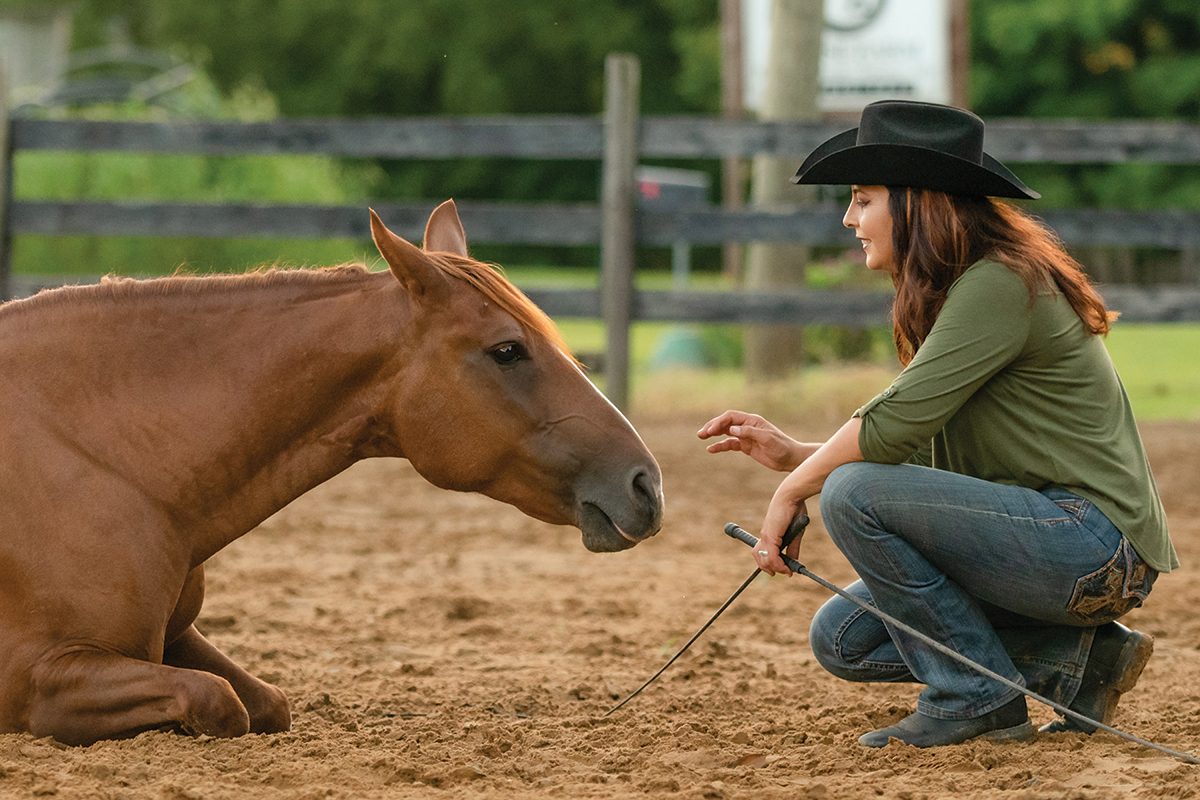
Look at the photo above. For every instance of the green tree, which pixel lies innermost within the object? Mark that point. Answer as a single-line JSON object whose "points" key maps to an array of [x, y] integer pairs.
{"points": [[1092, 59], [368, 57], [452, 57], [1089, 59], [332, 57], [1096, 59]]}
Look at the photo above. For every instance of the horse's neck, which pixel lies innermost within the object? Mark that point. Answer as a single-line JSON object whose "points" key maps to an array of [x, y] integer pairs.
{"points": [[249, 398]]}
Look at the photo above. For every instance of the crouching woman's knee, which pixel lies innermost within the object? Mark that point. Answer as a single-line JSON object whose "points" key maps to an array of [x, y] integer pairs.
{"points": [[845, 497], [824, 637], [853, 644]]}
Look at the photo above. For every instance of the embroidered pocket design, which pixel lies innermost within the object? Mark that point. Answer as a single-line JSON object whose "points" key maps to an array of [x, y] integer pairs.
{"points": [[1117, 587]]}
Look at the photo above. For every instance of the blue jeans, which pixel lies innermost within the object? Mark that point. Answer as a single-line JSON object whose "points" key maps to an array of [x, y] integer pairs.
{"points": [[1014, 579]]}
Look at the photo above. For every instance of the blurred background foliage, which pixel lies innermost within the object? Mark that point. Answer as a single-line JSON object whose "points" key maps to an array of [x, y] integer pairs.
{"points": [[446, 57], [1097, 59], [50, 175], [1092, 59], [1089, 59]]}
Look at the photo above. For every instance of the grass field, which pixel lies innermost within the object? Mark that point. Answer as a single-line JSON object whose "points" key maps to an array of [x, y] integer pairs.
{"points": [[1159, 365]]}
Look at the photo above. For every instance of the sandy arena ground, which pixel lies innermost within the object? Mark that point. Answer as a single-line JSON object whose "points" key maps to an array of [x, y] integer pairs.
{"points": [[435, 644]]}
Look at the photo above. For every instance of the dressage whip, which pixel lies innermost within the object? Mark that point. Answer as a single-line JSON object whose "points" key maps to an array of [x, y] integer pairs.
{"points": [[735, 531]]}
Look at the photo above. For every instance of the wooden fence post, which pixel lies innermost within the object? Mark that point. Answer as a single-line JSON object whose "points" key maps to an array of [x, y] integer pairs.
{"points": [[6, 191], [622, 77]]}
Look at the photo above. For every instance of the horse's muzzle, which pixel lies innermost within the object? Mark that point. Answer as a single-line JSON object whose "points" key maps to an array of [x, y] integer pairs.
{"points": [[633, 517]]}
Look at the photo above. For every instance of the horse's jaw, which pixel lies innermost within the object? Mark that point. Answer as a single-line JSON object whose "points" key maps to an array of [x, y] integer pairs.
{"points": [[600, 533]]}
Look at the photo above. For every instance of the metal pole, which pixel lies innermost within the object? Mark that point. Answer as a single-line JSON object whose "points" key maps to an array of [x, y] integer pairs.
{"points": [[681, 265], [733, 179], [791, 93], [622, 77], [6, 190], [960, 53]]}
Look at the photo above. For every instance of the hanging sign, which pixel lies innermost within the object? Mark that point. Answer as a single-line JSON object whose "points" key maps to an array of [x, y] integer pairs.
{"points": [[870, 50]]}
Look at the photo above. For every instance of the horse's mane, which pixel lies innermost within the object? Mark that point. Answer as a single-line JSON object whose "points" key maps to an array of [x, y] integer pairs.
{"points": [[488, 279], [119, 287]]}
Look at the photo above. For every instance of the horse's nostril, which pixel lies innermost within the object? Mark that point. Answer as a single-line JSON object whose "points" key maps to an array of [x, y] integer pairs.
{"points": [[647, 492], [642, 483]]}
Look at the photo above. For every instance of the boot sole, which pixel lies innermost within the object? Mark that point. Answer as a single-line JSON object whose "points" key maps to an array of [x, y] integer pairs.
{"points": [[1015, 733]]}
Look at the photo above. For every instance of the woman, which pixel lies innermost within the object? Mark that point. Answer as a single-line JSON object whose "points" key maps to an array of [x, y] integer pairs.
{"points": [[996, 496]]}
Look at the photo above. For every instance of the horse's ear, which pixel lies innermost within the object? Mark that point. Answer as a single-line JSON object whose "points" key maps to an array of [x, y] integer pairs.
{"points": [[407, 262], [444, 231]]}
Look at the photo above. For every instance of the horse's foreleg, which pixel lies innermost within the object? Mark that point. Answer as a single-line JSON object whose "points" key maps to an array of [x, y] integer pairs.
{"points": [[266, 704], [85, 696]]}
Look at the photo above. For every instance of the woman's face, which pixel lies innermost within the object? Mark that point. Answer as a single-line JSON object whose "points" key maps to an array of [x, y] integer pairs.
{"points": [[871, 220]]}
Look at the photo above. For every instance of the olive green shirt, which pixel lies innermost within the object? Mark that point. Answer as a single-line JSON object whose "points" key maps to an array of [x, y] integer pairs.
{"points": [[1020, 393]]}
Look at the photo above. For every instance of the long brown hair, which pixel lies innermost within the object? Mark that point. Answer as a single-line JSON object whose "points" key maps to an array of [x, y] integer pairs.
{"points": [[937, 236]]}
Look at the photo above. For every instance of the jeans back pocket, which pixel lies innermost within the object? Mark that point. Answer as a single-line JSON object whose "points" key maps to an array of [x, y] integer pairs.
{"points": [[1116, 588]]}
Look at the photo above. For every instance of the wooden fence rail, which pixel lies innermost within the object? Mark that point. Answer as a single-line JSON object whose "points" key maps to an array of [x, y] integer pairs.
{"points": [[542, 223], [617, 140], [559, 137]]}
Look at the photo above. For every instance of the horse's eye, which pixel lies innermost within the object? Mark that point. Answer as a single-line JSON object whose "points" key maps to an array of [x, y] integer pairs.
{"points": [[508, 354]]}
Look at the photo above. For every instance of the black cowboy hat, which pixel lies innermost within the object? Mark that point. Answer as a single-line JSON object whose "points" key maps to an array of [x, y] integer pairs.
{"points": [[921, 145]]}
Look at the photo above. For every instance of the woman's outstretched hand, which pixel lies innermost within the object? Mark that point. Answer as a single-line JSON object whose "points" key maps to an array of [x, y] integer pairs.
{"points": [[757, 438]]}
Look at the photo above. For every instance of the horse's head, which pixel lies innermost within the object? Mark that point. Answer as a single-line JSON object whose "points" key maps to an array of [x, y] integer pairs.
{"points": [[490, 400]]}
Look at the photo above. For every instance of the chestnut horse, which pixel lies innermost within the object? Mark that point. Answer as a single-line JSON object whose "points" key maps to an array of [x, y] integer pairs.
{"points": [[147, 424]]}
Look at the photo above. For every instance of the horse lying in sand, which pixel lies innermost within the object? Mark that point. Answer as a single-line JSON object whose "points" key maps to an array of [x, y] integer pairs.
{"points": [[147, 424]]}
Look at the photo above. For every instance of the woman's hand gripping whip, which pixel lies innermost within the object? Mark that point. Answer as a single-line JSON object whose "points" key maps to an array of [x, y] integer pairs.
{"points": [[795, 529]]}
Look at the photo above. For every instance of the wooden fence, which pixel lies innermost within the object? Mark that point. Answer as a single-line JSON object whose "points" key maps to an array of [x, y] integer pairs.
{"points": [[618, 140]]}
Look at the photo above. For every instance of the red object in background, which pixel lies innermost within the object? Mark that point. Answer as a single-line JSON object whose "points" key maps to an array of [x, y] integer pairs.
{"points": [[650, 191]]}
